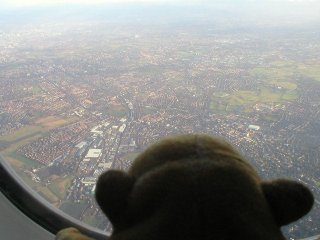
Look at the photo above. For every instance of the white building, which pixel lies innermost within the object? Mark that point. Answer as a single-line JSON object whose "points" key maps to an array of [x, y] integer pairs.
{"points": [[254, 127], [122, 128], [89, 181], [94, 153]]}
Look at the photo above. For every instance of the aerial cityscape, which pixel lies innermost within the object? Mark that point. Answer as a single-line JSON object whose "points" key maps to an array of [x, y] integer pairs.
{"points": [[81, 98]]}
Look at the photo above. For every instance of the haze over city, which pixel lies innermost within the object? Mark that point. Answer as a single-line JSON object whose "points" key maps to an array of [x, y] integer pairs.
{"points": [[86, 86]]}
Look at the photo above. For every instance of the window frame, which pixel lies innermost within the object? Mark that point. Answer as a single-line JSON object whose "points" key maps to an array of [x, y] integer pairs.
{"points": [[38, 209]]}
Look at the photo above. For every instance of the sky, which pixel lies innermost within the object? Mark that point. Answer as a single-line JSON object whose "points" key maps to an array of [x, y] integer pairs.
{"points": [[271, 10], [22, 3], [277, 5], [274, 5]]}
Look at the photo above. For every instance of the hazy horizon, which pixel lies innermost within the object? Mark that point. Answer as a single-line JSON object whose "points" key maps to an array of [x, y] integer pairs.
{"points": [[283, 13]]}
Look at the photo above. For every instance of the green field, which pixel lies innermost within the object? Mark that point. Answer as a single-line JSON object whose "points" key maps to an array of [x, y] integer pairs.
{"points": [[39, 188], [311, 71], [271, 117], [59, 186], [284, 71], [25, 163], [272, 73], [53, 192], [245, 100], [22, 133], [285, 85], [278, 84], [17, 160], [30, 89]]}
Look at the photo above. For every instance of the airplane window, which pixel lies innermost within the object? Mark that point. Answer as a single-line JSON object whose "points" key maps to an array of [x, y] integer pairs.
{"points": [[87, 85]]}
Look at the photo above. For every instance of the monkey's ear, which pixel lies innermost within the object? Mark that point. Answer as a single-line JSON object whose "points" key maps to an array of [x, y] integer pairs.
{"points": [[288, 200], [112, 193]]}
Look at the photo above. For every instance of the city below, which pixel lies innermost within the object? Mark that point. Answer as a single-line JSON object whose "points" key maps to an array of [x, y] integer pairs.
{"points": [[79, 99]]}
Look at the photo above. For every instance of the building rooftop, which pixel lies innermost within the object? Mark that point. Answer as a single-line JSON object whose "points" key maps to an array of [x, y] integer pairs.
{"points": [[93, 153]]}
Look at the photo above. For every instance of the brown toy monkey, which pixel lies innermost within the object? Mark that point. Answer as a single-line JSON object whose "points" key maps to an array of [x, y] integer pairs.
{"points": [[196, 187]]}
